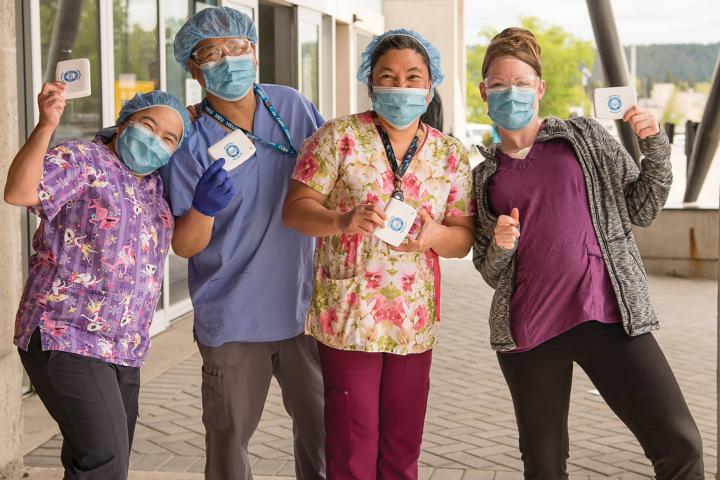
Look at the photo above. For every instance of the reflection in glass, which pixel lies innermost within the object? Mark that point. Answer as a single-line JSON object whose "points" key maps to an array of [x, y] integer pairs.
{"points": [[310, 61], [73, 33], [364, 103], [137, 67], [178, 278], [175, 15]]}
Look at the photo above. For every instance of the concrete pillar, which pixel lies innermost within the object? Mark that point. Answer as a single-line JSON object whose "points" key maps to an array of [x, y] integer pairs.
{"points": [[10, 256], [442, 23]]}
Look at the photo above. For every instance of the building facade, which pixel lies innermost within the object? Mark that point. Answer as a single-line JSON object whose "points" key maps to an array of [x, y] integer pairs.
{"points": [[312, 45]]}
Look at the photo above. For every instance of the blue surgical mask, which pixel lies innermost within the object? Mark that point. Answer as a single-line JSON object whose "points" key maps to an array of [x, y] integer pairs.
{"points": [[231, 77], [512, 109], [400, 107], [141, 150]]}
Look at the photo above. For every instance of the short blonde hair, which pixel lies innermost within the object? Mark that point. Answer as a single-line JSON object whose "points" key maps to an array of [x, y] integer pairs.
{"points": [[516, 43]]}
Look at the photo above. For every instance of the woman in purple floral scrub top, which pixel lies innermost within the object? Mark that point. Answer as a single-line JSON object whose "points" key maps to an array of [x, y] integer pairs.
{"points": [[95, 278]]}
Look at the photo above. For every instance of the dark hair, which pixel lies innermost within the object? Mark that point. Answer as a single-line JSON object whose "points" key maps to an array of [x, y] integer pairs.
{"points": [[396, 42]]}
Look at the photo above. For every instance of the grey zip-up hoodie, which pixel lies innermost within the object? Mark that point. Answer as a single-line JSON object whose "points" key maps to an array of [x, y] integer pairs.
{"points": [[619, 195]]}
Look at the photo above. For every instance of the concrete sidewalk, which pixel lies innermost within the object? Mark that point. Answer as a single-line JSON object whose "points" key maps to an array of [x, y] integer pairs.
{"points": [[470, 426]]}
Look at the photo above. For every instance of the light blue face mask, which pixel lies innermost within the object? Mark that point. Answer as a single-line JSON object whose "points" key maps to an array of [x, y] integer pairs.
{"points": [[231, 77], [400, 107], [141, 150], [512, 109]]}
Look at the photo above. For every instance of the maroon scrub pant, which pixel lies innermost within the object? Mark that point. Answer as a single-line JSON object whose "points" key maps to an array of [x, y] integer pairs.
{"points": [[374, 413]]}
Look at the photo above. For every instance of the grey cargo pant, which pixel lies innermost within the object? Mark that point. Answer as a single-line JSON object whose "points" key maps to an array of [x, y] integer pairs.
{"points": [[235, 382]]}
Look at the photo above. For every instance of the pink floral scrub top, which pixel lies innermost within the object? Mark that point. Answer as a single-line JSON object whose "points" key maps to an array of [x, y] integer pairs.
{"points": [[367, 297], [96, 275]]}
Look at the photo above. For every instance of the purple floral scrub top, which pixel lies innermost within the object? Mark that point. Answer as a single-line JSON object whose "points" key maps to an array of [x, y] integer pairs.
{"points": [[96, 276]]}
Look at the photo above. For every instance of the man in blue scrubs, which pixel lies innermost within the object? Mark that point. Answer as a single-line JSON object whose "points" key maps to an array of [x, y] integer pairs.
{"points": [[250, 277]]}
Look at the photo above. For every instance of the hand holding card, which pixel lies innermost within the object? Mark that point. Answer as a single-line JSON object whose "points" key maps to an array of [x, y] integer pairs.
{"points": [[235, 148], [75, 74], [400, 217], [612, 103]]}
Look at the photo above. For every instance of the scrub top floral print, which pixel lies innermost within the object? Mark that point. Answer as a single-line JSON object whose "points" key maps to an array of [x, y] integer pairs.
{"points": [[96, 275], [367, 297]]}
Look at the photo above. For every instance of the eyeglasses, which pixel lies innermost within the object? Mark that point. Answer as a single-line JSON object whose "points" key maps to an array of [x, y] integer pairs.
{"points": [[231, 46], [525, 82]]}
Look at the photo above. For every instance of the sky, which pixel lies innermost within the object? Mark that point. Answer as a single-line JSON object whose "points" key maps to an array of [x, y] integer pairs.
{"points": [[639, 22]]}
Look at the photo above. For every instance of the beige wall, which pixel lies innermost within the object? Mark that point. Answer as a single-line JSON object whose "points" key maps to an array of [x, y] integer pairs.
{"points": [[442, 23], [681, 243], [10, 255]]}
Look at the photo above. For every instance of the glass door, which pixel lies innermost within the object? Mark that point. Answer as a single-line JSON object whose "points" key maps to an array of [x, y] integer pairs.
{"points": [[248, 7], [362, 101], [310, 51], [276, 31], [74, 32]]}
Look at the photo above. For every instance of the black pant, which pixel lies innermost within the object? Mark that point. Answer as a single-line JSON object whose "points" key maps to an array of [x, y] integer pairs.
{"points": [[634, 378], [95, 404]]}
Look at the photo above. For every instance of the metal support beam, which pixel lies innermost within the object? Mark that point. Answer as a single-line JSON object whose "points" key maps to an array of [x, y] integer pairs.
{"points": [[706, 141], [613, 62]]}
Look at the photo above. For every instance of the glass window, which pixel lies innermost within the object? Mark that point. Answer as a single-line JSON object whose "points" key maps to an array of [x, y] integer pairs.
{"points": [[178, 278], [137, 66], [175, 15], [204, 4], [310, 61], [362, 40], [177, 81], [277, 44], [73, 32]]}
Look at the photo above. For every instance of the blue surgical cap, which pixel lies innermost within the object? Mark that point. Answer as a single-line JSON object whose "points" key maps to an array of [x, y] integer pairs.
{"points": [[365, 69], [214, 22], [156, 98]]}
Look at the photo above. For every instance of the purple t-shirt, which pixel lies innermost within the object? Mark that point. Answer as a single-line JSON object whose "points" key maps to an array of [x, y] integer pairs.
{"points": [[560, 275], [96, 276]]}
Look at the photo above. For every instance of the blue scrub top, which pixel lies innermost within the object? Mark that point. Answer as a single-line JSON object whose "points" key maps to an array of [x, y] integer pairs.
{"points": [[253, 282]]}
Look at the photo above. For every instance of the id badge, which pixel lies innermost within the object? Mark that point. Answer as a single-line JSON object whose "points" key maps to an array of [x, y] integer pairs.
{"points": [[75, 74], [400, 218], [612, 102], [235, 148]]}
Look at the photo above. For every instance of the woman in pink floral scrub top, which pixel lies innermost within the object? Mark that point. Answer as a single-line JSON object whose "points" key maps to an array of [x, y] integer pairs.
{"points": [[82, 329], [375, 308]]}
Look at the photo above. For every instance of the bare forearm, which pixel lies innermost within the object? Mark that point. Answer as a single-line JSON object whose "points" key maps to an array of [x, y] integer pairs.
{"points": [[311, 218], [455, 243], [192, 233], [25, 172]]}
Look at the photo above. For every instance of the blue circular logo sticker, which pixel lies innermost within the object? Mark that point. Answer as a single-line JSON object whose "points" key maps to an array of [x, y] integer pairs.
{"points": [[232, 150], [614, 103], [70, 76], [396, 224]]}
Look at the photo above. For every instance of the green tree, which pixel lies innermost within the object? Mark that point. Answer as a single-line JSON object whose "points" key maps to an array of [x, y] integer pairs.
{"points": [[673, 113], [563, 55]]}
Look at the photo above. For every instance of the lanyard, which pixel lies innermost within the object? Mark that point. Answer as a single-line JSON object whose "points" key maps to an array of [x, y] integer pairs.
{"points": [[398, 170], [266, 101]]}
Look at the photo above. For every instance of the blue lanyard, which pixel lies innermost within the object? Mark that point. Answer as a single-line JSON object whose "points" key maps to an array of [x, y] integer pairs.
{"points": [[268, 104], [398, 170]]}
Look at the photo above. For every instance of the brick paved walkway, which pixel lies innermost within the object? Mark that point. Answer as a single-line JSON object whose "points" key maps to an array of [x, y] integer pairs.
{"points": [[470, 429]]}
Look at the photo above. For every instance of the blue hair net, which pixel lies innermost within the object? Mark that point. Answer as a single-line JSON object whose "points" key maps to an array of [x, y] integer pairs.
{"points": [[214, 22], [142, 101], [365, 68]]}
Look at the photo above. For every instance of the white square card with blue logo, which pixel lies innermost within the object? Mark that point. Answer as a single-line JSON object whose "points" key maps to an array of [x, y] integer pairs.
{"points": [[400, 218], [612, 102], [75, 74], [235, 148]]}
